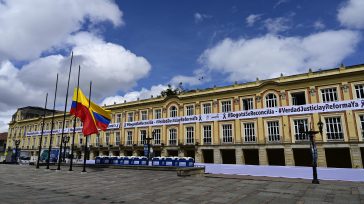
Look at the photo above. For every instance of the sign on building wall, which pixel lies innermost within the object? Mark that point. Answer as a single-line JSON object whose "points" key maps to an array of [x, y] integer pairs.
{"points": [[255, 113]]}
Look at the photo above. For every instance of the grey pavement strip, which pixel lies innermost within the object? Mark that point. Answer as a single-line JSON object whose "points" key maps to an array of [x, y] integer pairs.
{"points": [[25, 184]]}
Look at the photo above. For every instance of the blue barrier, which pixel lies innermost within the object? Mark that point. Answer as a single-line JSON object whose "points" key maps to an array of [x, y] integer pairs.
{"points": [[97, 160], [143, 161], [171, 161], [186, 162], [120, 160], [114, 160]]}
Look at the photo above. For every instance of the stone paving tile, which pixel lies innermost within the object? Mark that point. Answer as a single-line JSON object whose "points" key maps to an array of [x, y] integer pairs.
{"points": [[25, 184]]}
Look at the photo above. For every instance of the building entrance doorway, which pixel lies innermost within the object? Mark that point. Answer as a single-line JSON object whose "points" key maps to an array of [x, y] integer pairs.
{"points": [[302, 157], [208, 155], [190, 153], [276, 157], [251, 156], [228, 156], [172, 153], [338, 157]]}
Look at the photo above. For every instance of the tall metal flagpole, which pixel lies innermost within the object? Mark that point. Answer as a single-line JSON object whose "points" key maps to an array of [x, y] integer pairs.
{"points": [[64, 117], [52, 124], [87, 136], [74, 121], [41, 134]]}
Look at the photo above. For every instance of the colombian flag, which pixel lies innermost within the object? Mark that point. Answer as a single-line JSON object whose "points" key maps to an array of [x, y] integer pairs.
{"points": [[92, 115]]}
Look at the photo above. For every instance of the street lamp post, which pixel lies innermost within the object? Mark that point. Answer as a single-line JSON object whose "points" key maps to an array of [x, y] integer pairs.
{"points": [[66, 139], [17, 142], [148, 139], [311, 133]]}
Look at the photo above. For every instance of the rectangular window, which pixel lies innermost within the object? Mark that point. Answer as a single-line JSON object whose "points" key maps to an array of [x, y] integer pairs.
{"points": [[129, 138], [117, 138], [273, 131], [118, 118], [97, 140], [227, 133], [28, 142], [300, 136], [329, 95], [143, 135], [248, 103], [190, 110], [190, 139], [157, 114], [66, 124], [107, 138], [298, 98], [362, 125], [249, 132], [45, 141], [144, 115], [157, 136], [359, 90], [172, 136], [80, 138], [207, 135], [130, 117], [34, 141], [334, 128], [58, 140], [206, 108], [225, 106]]}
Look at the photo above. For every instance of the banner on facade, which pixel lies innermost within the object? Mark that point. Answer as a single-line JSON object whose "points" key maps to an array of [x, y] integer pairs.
{"points": [[254, 113], [68, 130]]}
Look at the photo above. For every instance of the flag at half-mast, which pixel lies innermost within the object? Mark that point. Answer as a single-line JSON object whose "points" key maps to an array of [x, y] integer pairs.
{"points": [[91, 115]]}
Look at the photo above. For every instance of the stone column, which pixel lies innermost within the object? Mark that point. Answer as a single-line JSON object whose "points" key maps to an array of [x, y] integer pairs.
{"points": [[356, 160], [263, 158], [92, 155], [198, 156], [217, 156], [288, 155], [321, 156], [239, 156]]}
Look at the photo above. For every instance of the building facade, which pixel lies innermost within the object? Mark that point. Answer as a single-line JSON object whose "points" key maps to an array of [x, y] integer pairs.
{"points": [[252, 123]]}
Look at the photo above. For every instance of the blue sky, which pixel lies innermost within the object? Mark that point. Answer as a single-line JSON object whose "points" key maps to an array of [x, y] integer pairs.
{"points": [[133, 49]]}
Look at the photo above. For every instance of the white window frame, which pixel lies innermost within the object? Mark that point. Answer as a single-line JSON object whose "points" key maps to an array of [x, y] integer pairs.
{"points": [[189, 109], [252, 103], [144, 113], [97, 140], [107, 138], [223, 108], [173, 113], [290, 99], [130, 116], [129, 138], [117, 138], [244, 136], [355, 95], [203, 108], [157, 139], [170, 135], [143, 141], [203, 131], [294, 128], [190, 135], [338, 92], [118, 117], [227, 139], [271, 103], [156, 115], [325, 130], [273, 136]]}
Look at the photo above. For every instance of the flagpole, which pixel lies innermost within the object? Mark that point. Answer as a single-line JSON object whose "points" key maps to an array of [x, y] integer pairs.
{"points": [[87, 136], [64, 116], [41, 135], [74, 121], [52, 124]]}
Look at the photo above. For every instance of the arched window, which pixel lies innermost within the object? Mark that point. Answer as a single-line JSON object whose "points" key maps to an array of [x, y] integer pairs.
{"points": [[271, 100], [173, 111]]}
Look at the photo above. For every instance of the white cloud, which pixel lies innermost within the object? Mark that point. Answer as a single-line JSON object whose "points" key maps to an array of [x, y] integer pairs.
{"points": [[319, 25], [252, 18], [199, 17], [134, 95], [280, 2], [351, 14], [270, 55], [277, 25], [29, 28]]}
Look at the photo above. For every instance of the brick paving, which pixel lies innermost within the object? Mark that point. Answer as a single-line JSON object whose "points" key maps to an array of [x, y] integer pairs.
{"points": [[25, 184]]}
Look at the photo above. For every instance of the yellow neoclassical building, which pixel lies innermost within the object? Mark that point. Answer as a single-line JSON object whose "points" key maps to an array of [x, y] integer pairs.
{"points": [[250, 123]]}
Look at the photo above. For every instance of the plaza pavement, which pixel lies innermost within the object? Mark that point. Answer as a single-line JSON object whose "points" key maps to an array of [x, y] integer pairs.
{"points": [[25, 184]]}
